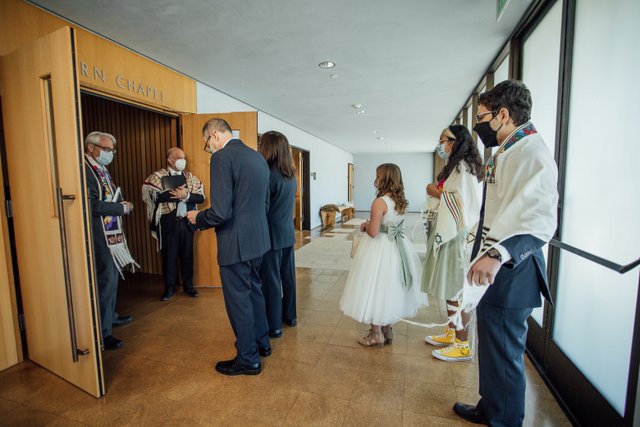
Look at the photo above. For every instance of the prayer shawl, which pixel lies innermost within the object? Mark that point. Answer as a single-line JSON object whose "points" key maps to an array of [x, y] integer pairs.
{"points": [[113, 232], [152, 188], [521, 198], [459, 206]]}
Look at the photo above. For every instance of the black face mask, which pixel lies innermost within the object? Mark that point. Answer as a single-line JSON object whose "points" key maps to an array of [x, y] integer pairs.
{"points": [[488, 136]]}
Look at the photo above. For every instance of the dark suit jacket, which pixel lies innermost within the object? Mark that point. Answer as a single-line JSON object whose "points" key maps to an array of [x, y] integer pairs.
{"points": [[282, 194], [99, 209], [520, 281], [239, 198], [167, 221]]}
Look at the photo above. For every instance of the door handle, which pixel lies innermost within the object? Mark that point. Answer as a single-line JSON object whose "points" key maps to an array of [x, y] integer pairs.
{"points": [[75, 351]]}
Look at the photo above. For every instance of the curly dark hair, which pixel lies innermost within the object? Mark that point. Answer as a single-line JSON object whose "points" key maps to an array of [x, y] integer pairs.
{"points": [[512, 95], [464, 148]]}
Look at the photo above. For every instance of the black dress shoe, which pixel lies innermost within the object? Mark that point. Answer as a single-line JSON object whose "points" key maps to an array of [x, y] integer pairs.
{"points": [[233, 367], [470, 413], [191, 292], [167, 295], [292, 322], [111, 343], [264, 351], [122, 320], [275, 333]]}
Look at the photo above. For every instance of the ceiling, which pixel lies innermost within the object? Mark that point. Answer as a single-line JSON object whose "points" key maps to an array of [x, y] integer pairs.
{"points": [[411, 64]]}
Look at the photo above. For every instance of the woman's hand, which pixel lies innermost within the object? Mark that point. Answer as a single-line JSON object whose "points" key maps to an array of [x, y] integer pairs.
{"points": [[434, 191], [364, 225]]}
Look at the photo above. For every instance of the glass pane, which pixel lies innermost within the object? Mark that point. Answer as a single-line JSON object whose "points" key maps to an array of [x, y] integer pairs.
{"points": [[540, 69], [601, 207], [594, 323], [502, 72]]}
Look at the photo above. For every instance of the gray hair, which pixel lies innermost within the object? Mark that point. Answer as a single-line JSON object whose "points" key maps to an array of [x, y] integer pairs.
{"points": [[94, 138]]}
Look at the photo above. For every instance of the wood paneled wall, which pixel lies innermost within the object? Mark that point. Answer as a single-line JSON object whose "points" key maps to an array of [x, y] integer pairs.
{"points": [[206, 270], [143, 139]]}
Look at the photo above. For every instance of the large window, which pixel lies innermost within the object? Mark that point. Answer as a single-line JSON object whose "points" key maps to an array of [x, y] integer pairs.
{"points": [[540, 70], [595, 308]]}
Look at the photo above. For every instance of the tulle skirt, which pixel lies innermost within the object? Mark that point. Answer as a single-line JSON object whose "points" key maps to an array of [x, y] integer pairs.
{"points": [[374, 292]]}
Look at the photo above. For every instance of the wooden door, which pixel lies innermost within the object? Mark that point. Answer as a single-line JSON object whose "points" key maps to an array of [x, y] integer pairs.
{"points": [[350, 171], [40, 97], [298, 207], [245, 126]]}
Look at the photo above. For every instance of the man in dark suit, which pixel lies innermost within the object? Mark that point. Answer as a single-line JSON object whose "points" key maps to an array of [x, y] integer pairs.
{"points": [[169, 194], [518, 217], [239, 198], [99, 152]]}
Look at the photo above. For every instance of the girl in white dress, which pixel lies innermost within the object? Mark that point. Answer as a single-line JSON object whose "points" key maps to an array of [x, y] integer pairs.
{"points": [[384, 281]]}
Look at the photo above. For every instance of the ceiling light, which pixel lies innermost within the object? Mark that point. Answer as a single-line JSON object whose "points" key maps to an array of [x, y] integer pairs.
{"points": [[334, 76], [381, 138], [356, 106], [361, 112], [375, 132], [327, 64]]}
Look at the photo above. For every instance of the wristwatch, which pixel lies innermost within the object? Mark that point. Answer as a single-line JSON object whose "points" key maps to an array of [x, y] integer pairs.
{"points": [[495, 254]]}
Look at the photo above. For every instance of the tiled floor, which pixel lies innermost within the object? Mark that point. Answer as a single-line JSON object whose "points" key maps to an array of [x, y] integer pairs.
{"points": [[317, 375]]}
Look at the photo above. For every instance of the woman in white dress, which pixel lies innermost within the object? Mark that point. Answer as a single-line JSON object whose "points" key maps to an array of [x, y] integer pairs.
{"points": [[453, 215], [384, 280]]}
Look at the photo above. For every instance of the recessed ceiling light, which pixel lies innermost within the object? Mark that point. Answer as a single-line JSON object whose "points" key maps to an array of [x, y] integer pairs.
{"points": [[361, 112], [327, 64], [375, 132], [356, 106], [381, 138], [334, 76]]}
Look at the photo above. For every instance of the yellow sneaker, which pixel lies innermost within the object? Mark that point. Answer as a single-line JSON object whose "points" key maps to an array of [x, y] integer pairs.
{"points": [[458, 352], [442, 339]]}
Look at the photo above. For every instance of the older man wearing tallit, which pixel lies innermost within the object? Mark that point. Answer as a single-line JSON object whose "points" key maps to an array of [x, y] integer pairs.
{"points": [[508, 272]]}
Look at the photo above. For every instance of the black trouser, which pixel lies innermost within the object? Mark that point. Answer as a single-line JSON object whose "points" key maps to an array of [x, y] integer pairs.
{"points": [[278, 275], [244, 302], [177, 244]]}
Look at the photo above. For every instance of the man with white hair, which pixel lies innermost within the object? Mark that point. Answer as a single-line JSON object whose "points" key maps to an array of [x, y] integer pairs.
{"points": [[110, 250], [169, 194]]}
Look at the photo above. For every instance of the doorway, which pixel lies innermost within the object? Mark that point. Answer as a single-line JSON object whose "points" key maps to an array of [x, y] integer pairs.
{"points": [[350, 171], [143, 138], [301, 217]]}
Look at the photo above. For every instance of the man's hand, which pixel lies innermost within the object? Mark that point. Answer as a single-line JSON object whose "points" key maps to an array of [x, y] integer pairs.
{"points": [[483, 271], [128, 207], [191, 216], [179, 192]]}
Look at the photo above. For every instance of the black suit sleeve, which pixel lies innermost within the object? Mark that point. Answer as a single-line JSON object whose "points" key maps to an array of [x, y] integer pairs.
{"points": [[521, 247], [99, 207], [195, 198], [220, 194]]}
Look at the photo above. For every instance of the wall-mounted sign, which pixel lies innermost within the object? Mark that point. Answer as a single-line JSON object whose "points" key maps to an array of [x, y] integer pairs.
{"points": [[114, 70], [123, 82]]}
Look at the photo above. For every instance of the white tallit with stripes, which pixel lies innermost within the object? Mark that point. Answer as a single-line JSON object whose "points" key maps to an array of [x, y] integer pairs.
{"points": [[521, 198]]}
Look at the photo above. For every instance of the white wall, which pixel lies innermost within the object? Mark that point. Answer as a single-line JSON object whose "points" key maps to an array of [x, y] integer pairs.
{"points": [[417, 172], [327, 161]]}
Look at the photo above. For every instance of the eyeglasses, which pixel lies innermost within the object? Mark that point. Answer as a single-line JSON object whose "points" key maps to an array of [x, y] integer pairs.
{"points": [[481, 115], [107, 149], [206, 145], [447, 141]]}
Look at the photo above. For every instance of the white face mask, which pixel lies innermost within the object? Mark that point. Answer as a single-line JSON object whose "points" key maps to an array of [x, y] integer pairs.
{"points": [[105, 157], [180, 164]]}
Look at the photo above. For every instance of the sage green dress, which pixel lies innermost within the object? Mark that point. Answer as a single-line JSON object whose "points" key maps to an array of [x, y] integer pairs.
{"points": [[443, 276]]}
